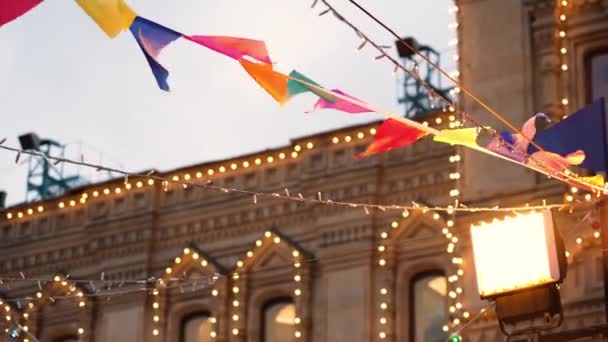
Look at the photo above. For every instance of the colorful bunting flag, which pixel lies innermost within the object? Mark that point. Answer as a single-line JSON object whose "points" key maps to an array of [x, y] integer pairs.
{"points": [[273, 82], [515, 146], [112, 16], [234, 47], [584, 130], [13, 9], [340, 104], [597, 180], [553, 162], [152, 38], [461, 136], [299, 83], [392, 134]]}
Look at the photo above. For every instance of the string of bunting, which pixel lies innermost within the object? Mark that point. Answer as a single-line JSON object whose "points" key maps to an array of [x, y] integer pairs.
{"points": [[318, 199], [510, 147], [115, 16]]}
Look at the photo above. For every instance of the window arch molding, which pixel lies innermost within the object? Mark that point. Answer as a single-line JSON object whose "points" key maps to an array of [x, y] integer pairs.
{"points": [[165, 316], [397, 263], [411, 303], [593, 52], [255, 279], [82, 325], [260, 300], [179, 313], [193, 313], [584, 45], [407, 275]]}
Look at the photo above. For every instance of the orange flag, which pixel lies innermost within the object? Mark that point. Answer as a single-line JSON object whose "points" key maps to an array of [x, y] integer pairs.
{"points": [[392, 134], [273, 82]]}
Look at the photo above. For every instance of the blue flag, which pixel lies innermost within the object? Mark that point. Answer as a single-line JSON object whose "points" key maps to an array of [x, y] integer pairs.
{"points": [[584, 130], [152, 38]]}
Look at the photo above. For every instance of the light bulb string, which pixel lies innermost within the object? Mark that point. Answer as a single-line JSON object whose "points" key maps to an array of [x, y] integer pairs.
{"points": [[481, 312], [566, 175], [192, 284], [288, 196]]}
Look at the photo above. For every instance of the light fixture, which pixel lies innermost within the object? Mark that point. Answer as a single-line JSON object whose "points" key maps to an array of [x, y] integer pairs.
{"points": [[516, 253], [519, 261]]}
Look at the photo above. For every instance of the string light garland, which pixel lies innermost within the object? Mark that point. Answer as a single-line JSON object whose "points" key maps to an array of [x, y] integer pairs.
{"points": [[70, 290], [189, 259], [455, 293], [561, 48], [9, 316], [239, 296], [455, 336], [456, 311], [59, 284], [151, 179], [100, 288], [565, 175]]}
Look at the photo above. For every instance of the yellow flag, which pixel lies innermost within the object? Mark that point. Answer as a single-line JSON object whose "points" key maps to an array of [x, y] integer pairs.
{"points": [[597, 180], [461, 136], [112, 16]]}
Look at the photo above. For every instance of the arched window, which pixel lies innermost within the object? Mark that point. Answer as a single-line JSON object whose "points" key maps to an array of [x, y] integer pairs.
{"points": [[597, 69], [428, 315], [196, 328], [278, 320]]}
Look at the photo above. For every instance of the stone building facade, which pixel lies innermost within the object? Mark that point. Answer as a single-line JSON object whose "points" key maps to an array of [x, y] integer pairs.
{"points": [[235, 266]]}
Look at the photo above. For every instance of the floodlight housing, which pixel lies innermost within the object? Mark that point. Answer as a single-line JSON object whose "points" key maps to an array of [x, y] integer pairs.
{"points": [[517, 253], [30, 141]]}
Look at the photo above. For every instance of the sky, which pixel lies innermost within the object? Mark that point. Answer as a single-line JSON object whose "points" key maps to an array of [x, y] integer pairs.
{"points": [[61, 77]]}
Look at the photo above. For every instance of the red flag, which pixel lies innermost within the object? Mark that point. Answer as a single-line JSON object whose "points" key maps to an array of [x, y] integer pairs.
{"points": [[392, 134], [13, 9]]}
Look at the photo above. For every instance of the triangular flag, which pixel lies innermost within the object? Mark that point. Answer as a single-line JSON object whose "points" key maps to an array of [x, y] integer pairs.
{"points": [[152, 38], [392, 134], [514, 146], [340, 104], [13, 9], [298, 83], [460, 136], [273, 82], [597, 180], [553, 162], [234, 47], [112, 16]]}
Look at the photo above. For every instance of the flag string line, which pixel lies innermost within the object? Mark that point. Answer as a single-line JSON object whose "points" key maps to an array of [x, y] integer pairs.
{"points": [[165, 181], [565, 176], [446, 74]]}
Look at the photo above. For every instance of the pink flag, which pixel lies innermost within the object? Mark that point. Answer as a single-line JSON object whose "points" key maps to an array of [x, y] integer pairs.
{"points": [[13, 9], [339, 104], [553, 162], [234, 47]]}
